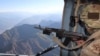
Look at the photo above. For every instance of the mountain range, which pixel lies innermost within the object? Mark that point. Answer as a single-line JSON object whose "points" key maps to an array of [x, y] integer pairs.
{"points": [[9, 20], [23, 38]]}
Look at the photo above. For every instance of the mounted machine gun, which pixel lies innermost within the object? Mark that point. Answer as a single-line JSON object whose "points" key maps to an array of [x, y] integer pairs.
{"points": [[60, 33]]}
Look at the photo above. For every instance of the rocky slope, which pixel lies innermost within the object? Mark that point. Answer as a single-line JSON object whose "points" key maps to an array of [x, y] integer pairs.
{"points": [[24, 40]]}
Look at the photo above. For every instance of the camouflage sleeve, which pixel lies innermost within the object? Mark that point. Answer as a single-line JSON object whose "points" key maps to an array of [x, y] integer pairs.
{"points": [[95, 35], [93, 48]]}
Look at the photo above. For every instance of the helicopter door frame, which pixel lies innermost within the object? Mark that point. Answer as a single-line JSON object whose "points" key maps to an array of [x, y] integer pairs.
{"points": [[67, 13]]}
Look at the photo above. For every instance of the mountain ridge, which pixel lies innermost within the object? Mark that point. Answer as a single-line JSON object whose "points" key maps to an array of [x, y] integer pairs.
{"points": [[24, 40]]}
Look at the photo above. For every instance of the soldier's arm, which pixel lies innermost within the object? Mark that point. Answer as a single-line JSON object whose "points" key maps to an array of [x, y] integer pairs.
{"points": [[95, 35]]}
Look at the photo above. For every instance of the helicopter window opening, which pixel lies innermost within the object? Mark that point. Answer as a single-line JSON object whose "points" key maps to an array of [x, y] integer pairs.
{"points": [[93, 16]]}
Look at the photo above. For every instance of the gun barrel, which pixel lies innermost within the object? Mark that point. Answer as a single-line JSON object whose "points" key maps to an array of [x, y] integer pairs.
{"points": [[39, 27], [61, 32]]}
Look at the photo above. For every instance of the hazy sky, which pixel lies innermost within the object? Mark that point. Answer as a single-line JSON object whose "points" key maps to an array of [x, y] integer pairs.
{"points": [[34, 6]]}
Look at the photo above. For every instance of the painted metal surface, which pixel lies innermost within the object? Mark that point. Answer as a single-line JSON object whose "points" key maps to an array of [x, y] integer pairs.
{"points": [[68, 10]]}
